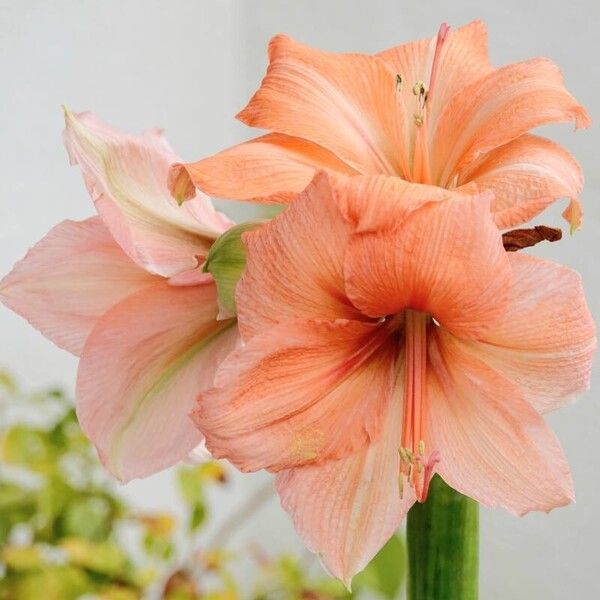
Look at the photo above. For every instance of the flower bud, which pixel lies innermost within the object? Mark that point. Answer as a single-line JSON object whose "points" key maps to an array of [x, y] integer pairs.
{"points": [[226, 261]]}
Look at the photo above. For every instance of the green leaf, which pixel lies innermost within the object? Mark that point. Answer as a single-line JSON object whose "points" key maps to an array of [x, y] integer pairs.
{"points": [[57, 583], [386, 572], [158, 546], [105, 558], [87, 517], [22, 558], [27, 447], [7, 382], [189, 481], [197, 517], [226, 261]]}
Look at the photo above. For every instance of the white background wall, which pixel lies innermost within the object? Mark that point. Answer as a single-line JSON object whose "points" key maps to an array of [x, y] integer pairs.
{"points": [[188, 66]]}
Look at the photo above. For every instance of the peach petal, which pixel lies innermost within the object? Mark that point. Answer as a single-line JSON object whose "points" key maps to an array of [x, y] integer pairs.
{"points": [[525, 175], [545, 341], [294, 264], [445, 259], [499, 108], [345, 103], [270, 168], [494, 446], [347, 509], [302, 392]]}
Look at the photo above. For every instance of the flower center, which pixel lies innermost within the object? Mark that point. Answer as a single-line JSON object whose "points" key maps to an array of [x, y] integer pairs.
{"points": [[416, 467]]}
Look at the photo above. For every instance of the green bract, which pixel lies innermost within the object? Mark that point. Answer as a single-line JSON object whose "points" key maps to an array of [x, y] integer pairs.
{"points": [[226, 261]]}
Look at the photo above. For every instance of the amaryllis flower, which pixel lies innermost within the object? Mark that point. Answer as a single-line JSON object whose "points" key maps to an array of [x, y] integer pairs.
{"points": [[433, 111], [123, 291], [388, 336]]}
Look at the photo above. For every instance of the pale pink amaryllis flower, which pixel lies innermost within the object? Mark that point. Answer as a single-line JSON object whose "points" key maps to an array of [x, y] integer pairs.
{"points": [[123, 291], [433, 111], [388, 336]]}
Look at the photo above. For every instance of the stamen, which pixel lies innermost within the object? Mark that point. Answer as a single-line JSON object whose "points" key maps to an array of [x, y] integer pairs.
{"points": [[419, 89], [398, 82], [415, 465]]}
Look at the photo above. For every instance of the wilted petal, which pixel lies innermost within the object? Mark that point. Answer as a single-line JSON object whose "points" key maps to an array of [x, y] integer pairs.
{"points": [[494, 446], [346, 510], [497, 109], [445, 259], [302, 392], [345, 103], [127, 179], [69, 279], [270, 168], [545, 341], [140, 371], [525, 175]]}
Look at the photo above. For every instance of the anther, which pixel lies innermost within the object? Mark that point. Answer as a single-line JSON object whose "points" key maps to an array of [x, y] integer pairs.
{"points": [[398, 82], [419, 89]]}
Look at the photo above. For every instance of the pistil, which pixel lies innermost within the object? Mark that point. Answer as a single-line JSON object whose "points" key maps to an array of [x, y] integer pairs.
{"points": [[421, 167], [416, 466]]}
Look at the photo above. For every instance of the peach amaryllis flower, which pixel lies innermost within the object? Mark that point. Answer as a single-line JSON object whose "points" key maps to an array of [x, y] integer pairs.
{"points": [[122, 291], [433, 111], [388, 335]]}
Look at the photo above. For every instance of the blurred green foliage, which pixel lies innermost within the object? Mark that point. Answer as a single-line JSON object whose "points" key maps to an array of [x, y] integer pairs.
{"points": [[65, 532]]}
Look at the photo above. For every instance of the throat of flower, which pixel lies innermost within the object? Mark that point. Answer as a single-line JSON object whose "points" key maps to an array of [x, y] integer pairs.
{"points": [[416, 466]]}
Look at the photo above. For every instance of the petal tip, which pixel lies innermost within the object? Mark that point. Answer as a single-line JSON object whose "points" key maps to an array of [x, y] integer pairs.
{"points": [[180, 183]]}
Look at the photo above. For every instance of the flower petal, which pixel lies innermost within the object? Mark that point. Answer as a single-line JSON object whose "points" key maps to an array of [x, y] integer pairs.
{"points": [[141, 369], [526, 175], [378, 202], [302, 392], [294, 264], [270, 168], [69, 279], [494, 446], [446, 259], [347, 509], [463, 60], [545, 341], [344, 102], [127, 179], [498, 108]]}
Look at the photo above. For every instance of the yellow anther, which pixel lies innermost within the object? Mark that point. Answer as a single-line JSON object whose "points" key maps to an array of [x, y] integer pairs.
{"points": [[419, 89], [422, 448], [418, 119]]}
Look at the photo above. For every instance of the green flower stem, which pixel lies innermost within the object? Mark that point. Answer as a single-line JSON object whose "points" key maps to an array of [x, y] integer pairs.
{"points": [[443, 546]]}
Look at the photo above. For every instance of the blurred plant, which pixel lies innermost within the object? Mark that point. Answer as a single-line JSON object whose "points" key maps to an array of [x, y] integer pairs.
{"points": [[64, 530]]}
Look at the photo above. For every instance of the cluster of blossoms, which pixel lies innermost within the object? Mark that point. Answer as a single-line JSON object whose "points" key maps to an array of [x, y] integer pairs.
{"points": [[373, 333]]}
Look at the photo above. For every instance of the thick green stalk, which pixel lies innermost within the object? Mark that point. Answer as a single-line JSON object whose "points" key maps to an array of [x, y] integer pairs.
{"points": [[443, 546]]}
